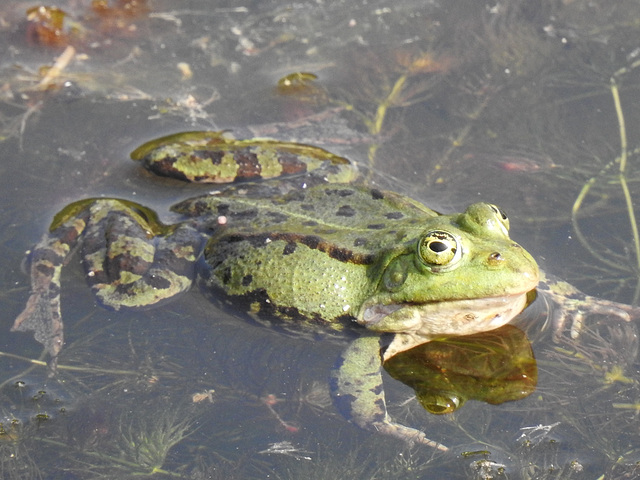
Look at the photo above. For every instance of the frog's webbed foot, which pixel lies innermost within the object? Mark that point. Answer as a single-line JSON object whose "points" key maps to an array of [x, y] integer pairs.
{"points": [[402, 432], [42, 312], [567, 303], [42, 316], [357, 390]]}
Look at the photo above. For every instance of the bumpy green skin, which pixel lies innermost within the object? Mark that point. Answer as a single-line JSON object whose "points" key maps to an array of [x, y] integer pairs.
{"points": [[327, 252], [333, 254]]}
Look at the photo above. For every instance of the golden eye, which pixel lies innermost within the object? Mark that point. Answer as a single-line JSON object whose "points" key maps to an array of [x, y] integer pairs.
{"points": [[438, 248]]}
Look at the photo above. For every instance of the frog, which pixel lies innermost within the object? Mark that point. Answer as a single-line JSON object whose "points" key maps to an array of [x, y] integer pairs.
{"points": [[299, 241]]}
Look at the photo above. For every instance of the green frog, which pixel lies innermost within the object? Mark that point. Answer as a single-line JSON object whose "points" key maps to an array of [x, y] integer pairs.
{"points": [[311, 250]]}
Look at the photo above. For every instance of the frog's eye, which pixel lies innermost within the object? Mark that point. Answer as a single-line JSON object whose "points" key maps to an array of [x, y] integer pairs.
{"points": [[439, 248], [500, 215], [485, 219]]}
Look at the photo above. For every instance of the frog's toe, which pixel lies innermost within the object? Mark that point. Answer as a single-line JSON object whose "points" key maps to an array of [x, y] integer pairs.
{"points": [[408, 434], [577, 324], [606, 307], [568, 303], [578, 311], [562, 316]]}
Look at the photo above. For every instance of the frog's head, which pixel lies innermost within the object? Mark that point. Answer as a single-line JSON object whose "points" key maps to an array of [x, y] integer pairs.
{"points": [[462, 275]]}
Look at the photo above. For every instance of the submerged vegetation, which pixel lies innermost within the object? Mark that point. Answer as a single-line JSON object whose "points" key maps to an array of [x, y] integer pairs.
{"points": [[615, 172]]}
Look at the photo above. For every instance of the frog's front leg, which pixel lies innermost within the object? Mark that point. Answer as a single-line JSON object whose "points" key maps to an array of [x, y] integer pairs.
{"points": [[130, 259], [357, 390], [567, 303]]}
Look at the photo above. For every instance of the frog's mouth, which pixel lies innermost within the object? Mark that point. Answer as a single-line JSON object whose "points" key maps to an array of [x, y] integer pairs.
{"points": [[419, 323]]}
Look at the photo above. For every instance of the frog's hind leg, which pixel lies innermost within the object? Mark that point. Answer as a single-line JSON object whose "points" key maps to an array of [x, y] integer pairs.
{"points": [[131, 260], [127, 266], [42, 312]]}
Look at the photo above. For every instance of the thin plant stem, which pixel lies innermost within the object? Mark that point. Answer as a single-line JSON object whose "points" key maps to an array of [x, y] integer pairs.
{"points": [[621, 160]]}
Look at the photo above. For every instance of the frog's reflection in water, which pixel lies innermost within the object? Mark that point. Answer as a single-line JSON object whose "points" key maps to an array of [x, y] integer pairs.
{"points": [[493, 367]]}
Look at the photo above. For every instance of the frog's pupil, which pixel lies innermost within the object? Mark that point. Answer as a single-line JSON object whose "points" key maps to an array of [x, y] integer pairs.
{"points": [[438, 247]]}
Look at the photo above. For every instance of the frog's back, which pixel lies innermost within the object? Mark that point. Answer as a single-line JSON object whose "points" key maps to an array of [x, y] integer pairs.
{"points": [[316, 249], [344, 219]]}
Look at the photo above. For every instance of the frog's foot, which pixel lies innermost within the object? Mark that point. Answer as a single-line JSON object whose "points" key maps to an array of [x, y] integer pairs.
{"points": [[42, 316], [567, 303], [402, 432], [42, 312], [357, 390]]}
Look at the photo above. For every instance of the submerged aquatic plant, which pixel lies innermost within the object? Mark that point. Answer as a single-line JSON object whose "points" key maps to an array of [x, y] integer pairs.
{"points": [[147, 436], [621, 164], [16, 463]]}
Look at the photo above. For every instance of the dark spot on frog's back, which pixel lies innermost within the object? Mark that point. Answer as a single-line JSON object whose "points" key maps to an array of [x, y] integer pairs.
{"points": [[377, 194], [289, 248], [277, 217], [394, 215], [296, 196], [246, 280], [223, 208], [345, 211], [245, 214], [198, 208], [340, 192], [359, 242]]}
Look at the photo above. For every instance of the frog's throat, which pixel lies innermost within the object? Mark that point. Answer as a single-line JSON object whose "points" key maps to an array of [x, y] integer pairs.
{"points": [[415, 324]]}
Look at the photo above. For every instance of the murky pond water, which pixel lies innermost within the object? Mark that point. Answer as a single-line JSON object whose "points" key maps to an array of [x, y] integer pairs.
{"points": [[529, 105]]}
